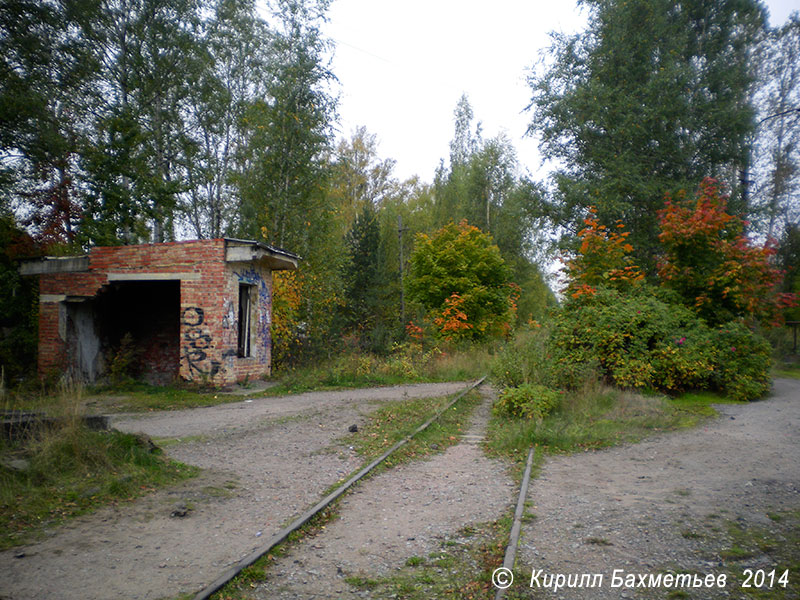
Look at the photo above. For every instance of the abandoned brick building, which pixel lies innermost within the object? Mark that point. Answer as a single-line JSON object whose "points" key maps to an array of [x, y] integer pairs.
{"points": [[196, 310]]}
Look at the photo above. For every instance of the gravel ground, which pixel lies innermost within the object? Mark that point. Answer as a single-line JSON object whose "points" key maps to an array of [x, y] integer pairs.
{"points": [[625, 508], [405, 512], [641, 508], [265, 461]]}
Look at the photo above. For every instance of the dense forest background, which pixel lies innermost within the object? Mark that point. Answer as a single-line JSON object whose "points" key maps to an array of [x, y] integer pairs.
{"points": [[134, 121]]}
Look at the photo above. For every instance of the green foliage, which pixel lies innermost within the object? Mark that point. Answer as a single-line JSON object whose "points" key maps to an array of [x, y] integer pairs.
{"points": [[289, 131], [19, 304], [483, 185], [460, 260], [624, 334], [527, 401], [789, 261], [774, 173], [524, 360], [639, 341], [742, 362], [362, 275], [236, 64], [651, 97]]}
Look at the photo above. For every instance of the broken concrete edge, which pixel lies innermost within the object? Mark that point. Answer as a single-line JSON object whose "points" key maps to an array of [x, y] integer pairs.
{"points": [[14, 425], [284, 534], [516, 528], [54, 264], [237, 250]]}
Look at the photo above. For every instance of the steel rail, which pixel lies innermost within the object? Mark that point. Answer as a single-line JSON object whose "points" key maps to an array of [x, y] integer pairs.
{"points": [[513, 541]]}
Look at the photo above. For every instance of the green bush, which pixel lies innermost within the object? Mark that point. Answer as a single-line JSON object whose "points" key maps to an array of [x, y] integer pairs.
{"points": [[742, 361], [635, 340], [640, 341], [528, 401]]}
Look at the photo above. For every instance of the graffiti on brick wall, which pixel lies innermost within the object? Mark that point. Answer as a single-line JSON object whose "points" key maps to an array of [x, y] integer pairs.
{"points": [[196, 343]]}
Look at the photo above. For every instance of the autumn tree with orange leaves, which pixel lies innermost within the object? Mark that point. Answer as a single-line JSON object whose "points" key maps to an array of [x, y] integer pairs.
{"points": [[710, 263], [603, 258]]}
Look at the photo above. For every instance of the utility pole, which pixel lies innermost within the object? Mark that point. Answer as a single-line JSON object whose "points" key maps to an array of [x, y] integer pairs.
{"points": [[400, 230]]}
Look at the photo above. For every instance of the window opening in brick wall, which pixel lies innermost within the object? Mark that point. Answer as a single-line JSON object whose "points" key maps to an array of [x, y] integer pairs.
{"points": [[243, 345]]}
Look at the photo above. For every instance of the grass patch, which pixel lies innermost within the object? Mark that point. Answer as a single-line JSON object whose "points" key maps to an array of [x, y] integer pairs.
{"points": [[406, 365], [787, 371], [129, 397], [361, 582], [143, 397], [396, 420], [598, 417], [70, 470], [461, 568], [595, 541]]}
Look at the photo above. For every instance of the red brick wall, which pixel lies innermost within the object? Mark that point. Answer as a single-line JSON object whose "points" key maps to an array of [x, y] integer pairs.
{"points": [[208, 306]]}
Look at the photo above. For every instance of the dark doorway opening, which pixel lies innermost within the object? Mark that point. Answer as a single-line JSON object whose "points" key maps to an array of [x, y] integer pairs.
{"points": [[138, 323]]}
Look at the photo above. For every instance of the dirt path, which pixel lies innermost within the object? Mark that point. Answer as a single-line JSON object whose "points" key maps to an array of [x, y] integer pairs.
{"points": [[402, 513], [266, 460], [643, 507]]}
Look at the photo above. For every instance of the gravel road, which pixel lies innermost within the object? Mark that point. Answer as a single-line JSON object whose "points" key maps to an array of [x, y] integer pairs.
{"points": [[264, 460], [645, 507], [641, 508]]}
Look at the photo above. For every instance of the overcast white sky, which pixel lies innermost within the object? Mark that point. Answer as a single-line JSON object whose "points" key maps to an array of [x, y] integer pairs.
{"points": [[402, 66]]}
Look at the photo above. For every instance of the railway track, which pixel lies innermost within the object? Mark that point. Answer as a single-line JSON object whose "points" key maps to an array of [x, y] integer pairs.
{"points": [[229, 574]]}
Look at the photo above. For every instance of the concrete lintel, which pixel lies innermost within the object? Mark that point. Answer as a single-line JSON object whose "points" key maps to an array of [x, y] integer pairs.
{"points": [[258, 253], [247, 251], [154, 276], [52, 297], [55, 264]]}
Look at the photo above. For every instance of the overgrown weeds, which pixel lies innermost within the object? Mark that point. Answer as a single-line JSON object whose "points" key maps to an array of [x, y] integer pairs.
{"points": [[396, 420], [595, 417], [407, 364], [63, 469]]}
